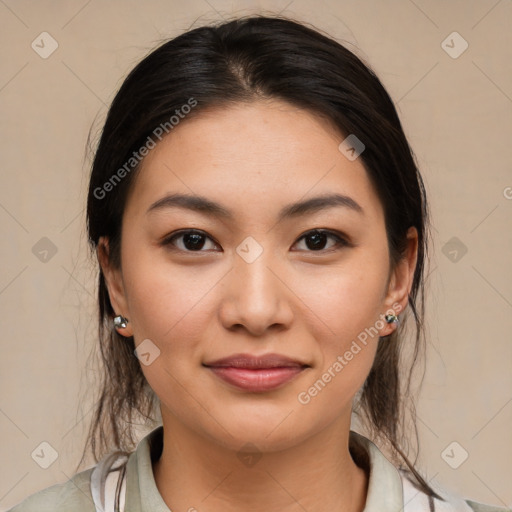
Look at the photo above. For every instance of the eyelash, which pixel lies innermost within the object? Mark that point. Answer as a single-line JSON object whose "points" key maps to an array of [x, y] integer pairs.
{"points": [[340, 239]]}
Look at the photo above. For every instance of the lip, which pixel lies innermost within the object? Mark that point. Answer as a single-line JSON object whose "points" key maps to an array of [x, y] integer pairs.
{"points": [[256, 373]]}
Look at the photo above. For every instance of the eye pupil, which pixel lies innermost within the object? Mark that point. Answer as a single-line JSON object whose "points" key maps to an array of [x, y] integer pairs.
{"points": [[318, 241], [193, 241]]}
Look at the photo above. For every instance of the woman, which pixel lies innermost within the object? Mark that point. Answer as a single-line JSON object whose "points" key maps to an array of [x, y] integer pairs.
{"points": [[261, 229]]}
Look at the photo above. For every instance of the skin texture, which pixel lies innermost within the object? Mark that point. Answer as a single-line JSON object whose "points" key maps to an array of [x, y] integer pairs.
{"points": [[307, 304]]}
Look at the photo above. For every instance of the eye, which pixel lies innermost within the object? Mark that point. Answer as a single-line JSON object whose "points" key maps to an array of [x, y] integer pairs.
{"points": [[190, 240], [315, 240]]}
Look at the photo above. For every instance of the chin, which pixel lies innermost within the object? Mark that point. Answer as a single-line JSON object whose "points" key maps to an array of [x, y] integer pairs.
{"points": [[270, 429]]}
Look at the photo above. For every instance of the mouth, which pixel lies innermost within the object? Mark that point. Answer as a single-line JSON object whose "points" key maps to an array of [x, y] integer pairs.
{"points": [[256, 373]]}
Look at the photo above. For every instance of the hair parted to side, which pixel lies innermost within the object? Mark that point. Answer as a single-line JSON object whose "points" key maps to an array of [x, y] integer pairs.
{"points": [[243, 60]]}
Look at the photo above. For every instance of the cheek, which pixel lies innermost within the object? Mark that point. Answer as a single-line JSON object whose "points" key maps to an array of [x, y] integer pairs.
{"points": [[345, 299], [347, 304], [166, 301], [346, 343], [169, 308], [173, 307]]}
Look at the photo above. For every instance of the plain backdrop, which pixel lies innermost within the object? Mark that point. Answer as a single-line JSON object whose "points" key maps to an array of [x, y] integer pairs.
{"points": [[447, 66]]}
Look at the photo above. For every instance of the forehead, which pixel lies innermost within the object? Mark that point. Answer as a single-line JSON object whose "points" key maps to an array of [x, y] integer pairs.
{"points": [[252, 157]]}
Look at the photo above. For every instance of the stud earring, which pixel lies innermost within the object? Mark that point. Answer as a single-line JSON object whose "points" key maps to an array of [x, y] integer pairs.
{"points": [[120, 321], [391, 319]]}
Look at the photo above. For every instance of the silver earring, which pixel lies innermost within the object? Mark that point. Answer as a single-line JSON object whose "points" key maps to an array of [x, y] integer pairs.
{"points": [[120, 321], [391, 318]]}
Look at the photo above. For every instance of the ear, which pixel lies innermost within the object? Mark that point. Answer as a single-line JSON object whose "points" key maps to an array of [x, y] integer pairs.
{"points": [[115, 285], [401, 279]]}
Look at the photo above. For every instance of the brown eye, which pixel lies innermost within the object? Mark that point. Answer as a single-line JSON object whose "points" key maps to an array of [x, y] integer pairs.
{"points": [[316, 240], [189, 241], [198, 241]]}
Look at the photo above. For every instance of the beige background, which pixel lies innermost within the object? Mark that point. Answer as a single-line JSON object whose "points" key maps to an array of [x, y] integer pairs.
{"points": [[456, 113]]}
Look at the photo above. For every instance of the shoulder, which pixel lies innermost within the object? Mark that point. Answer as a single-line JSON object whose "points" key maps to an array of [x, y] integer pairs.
{"points": [[114, 477], [415, 500], [75, 494]]}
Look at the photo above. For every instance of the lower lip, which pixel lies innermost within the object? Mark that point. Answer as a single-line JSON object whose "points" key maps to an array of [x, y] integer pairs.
{"points": [[265, 379]]}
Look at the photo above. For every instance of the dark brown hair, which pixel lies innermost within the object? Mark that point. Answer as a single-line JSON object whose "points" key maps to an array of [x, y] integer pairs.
{"points": [[240, 61]]}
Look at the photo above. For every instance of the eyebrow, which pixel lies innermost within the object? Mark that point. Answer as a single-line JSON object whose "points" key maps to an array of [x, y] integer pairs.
{"points": [[203, 205]]}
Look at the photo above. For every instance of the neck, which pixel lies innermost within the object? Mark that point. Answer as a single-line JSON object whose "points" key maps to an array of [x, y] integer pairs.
{"points": [[316, 475]]}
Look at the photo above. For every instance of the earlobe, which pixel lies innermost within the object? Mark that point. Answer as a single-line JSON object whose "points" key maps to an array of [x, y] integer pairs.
{"points": [[115, 287]]}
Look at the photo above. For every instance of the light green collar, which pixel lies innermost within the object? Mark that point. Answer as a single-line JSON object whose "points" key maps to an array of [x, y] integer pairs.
{"points": [[385, 491]]}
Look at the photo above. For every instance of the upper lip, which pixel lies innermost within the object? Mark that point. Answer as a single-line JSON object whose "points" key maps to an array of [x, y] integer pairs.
{"points": [[256, 362]]}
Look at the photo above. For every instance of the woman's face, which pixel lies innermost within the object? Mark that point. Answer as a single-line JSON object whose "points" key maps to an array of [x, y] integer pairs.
{"points": [[255, 279]]}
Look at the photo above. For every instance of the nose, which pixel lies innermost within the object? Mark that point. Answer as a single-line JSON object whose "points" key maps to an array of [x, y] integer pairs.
{"points": [[256, 297]]}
